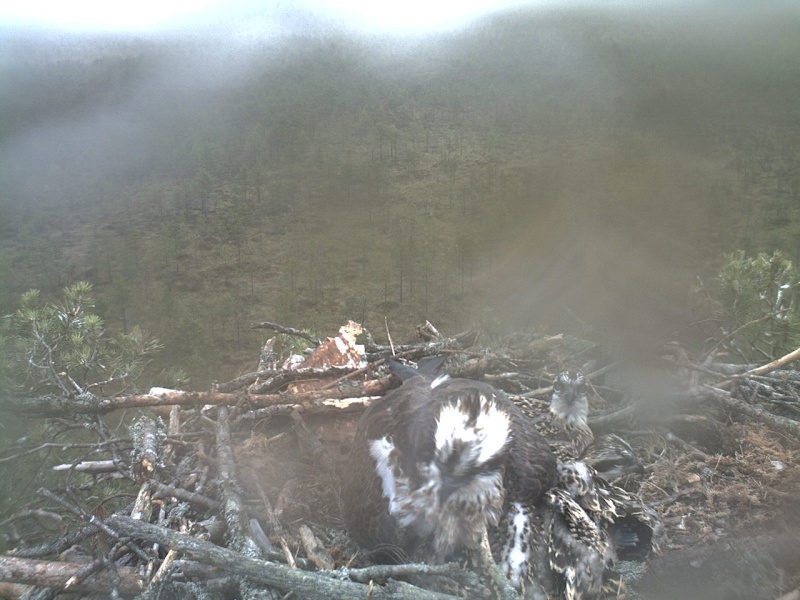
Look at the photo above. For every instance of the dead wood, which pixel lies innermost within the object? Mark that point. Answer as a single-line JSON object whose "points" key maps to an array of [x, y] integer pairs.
{"points": [[303, 584], [218, 472], [247, 379], [162, 491], [293, 331], [52, 407], [756, 412], [234, 511], [315, 551], [58, 545], [92, 466], [687, 447], [145, 449], [56, 574]]}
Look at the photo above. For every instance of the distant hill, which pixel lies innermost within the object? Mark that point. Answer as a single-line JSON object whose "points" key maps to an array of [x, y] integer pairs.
{"points": [[570, 169]]}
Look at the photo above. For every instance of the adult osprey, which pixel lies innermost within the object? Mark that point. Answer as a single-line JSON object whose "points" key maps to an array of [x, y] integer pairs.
{"points": [[433, 464]]}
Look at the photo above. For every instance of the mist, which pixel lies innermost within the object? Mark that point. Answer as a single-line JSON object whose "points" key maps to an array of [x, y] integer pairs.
{"points": [[570, 168]]}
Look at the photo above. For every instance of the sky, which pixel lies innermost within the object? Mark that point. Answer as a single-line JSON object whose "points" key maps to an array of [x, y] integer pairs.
{"points": [[403, 16]]}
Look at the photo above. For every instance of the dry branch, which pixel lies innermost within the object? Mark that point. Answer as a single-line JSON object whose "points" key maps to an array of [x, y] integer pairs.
{"points": [[303, 584], [234, 510], [775, 364], [753, 411], [92, 466], [293, 463], [51, 407], [55, 574], [161, 490], [145, 449], [315, 551], [286, 330]]}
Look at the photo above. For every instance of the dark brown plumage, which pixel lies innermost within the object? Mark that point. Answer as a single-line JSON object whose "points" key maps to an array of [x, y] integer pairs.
{"points": [[434, 462]]}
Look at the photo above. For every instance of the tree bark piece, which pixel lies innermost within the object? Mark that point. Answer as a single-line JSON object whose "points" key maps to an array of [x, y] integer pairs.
{"points": [[145, 441]]}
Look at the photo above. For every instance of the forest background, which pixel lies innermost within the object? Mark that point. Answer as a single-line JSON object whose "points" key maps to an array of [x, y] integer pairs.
{"points": [[560, 169]]}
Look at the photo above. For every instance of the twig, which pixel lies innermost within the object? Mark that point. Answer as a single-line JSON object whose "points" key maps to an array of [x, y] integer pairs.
{"points": [[91, 519], [92, 466], [287, 330], [371, 367], [84, 573], [57, 546], [389, 335], [381, 572], [687, 447], [51, 445], [36, 513], [733, 333], [246, 379], [164, 569], [161, 490]]}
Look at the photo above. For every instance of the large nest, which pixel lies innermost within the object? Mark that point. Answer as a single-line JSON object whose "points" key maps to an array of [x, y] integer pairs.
{"points": [[237, 490]]}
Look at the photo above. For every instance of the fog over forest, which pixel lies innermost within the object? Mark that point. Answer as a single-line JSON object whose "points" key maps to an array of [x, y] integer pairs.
{"points": [[559, 168]]}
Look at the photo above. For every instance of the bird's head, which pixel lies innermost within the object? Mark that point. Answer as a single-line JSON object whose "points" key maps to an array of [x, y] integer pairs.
{"points": [[569, 401], [473, 435]]}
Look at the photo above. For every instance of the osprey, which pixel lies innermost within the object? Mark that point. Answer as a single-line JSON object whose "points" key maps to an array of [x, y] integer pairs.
{"points": [[564, 424], [612, 457], [566, 428], [434, 463], [438, 465], [567, 546], [586, 522]]}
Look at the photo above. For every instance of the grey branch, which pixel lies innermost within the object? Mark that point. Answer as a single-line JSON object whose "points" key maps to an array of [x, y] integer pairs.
{"points": [[303, 584]]}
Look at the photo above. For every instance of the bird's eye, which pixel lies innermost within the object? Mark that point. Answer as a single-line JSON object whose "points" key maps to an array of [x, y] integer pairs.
{"points": [[557, 386], [582, 389]]}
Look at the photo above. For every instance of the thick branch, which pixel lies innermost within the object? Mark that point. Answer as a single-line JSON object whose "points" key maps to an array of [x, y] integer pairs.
{"points": [[304, 584], [54, 407], [775, 364], [55, 574], [774, 421], [234, 511]]}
